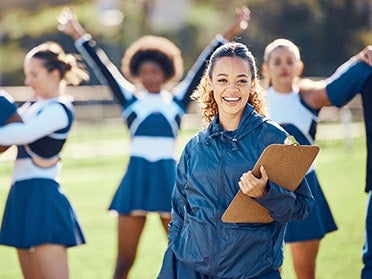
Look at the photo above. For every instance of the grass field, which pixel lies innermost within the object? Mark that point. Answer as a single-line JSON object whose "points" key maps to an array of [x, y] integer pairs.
{"points": [[94, 162]]}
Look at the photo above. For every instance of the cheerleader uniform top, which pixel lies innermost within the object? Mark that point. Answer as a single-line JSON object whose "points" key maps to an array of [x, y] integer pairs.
{"points": [[153, 121], [289, 110], [7, 106], [37, 211], [48, 124], [299, 120]]}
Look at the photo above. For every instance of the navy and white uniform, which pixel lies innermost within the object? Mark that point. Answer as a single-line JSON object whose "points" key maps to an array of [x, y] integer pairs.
{"points": [[7, 107], [350, 79], [299, 120], [153, 121], [37, 211]]}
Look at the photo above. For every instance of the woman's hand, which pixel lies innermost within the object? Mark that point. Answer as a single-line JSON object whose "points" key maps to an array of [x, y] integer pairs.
{"points": [[240, 23], [68, 24], [365, 55], [253, 186]]}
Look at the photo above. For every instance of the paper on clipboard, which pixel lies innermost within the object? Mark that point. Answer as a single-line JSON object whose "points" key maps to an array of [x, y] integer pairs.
{"points": [[286, 165]]}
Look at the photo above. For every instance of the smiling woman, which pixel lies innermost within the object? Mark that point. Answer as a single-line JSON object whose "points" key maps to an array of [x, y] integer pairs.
{"points": [[214, 164], [231, 83], [230, 78]]}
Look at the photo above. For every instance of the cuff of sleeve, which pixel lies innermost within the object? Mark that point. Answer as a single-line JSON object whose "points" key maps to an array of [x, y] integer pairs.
{"points": [[83, 39], [272, 192], [221, 39]]}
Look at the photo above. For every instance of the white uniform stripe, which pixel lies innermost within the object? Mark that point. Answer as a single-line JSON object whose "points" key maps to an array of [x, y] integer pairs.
{"points": [[153, 148], [26, 169]]}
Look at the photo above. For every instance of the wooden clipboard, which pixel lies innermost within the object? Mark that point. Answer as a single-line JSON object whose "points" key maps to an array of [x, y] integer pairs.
{"points": [[286, 165]]}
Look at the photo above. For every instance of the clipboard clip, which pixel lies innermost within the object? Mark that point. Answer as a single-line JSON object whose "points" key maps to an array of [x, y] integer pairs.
{"points": [[291, 140]]}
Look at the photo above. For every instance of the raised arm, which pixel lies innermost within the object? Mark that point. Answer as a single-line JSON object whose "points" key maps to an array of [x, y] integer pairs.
{"points": [[192, 79], [105, 70], [342, 85], [239, 23]]}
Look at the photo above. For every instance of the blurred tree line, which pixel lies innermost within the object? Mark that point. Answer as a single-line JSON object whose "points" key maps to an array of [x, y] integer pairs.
{"points": [[327, 31]]}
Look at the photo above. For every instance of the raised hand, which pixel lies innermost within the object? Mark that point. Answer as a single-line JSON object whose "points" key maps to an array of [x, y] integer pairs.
{"points": [[239, 24], [365, 55], [68, 24]]}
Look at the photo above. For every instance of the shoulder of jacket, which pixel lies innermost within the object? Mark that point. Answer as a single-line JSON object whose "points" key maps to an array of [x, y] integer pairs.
{"points": [[198, 138], [274, 131]]}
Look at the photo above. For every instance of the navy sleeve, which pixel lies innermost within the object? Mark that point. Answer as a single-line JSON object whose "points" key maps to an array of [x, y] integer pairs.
{"points": [[179, 199], [7, 107], [105, 70], [346, 82], [284, 205], [192, 79]]}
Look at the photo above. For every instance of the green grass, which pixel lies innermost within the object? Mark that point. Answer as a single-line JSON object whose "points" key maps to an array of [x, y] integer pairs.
{"points": [[91, 173]]}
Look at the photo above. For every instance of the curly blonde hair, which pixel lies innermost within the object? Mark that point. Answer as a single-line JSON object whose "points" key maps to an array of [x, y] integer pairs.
{"points": [[204, 96], [156, 49]]}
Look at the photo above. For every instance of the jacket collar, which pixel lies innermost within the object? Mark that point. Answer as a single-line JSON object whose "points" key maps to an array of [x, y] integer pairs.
{"points": [[249, 122]]}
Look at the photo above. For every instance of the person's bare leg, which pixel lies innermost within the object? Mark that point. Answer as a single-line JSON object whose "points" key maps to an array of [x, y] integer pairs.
{"points": [[304, 258], [45, 261], [28, 264], [52, 261], [129, 232]]}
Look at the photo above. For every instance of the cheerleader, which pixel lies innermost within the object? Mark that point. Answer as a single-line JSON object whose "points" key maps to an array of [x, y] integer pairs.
{"points": [[38, 219], [282, 67], [153, 115]]}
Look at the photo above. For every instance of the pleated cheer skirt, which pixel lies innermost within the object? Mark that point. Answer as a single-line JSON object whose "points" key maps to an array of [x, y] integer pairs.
{"points": [[37, 212], [146, 186], [320, 220]]}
